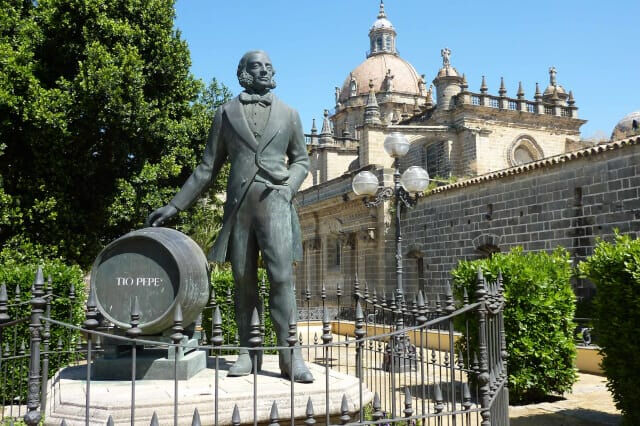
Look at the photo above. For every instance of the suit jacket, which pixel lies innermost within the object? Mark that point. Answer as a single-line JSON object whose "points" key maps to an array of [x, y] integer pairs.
{"points": [[230, 138]]}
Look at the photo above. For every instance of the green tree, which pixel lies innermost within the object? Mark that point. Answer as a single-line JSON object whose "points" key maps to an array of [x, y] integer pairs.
{"points": [[614, 267], [101, 119], [538, 318]]}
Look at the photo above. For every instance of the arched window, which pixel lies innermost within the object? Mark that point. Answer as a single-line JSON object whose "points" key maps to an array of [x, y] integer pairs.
{"points": [[522, 155], [379, 43], [524, 149]]}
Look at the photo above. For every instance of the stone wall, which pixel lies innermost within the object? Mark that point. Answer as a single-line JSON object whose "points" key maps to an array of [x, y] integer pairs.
{"points": [[567, 201]]}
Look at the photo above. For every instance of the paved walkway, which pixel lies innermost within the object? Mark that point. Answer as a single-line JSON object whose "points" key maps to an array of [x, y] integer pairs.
{"points": [[589, 404]]}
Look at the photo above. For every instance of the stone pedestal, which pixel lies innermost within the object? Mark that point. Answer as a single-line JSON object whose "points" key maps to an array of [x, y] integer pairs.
{"points": [[151, 364], [67, 391]]}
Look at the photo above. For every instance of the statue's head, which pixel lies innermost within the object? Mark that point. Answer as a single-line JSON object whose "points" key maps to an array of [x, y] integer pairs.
{"points": [[255, 72]]}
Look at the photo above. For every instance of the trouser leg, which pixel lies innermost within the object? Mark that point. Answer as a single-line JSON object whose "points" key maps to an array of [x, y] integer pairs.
{"points": [[274, 234], [243, 253]]}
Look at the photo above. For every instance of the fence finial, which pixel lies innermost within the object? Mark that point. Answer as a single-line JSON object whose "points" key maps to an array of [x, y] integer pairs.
{"points": [[212, 298], [377, 407], [196, 418], [326, 327], [451, 304], [177, 325], [273, 415], [110, 421], [134, 331], [466, 397], [154, 420], [360, 332], [309, 421], [475, 365], [4, 300], [344, 410], [437, 397], [481, 288], [254, 329], [216, 328], [438, 305], [408, 407], [91, 320], [235, 417], [293, 329], [421, 309]]}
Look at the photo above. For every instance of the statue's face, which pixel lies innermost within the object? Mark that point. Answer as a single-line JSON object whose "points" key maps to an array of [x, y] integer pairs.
{"points": [[260, 68]]}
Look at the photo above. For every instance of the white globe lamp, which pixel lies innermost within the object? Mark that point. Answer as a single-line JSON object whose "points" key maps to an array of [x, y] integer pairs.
{"points": [[396, 145], [414, 179], [365, 183]]}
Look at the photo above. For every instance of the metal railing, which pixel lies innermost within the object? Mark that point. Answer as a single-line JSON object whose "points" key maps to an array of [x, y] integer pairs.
{"points": [[432, 362]]}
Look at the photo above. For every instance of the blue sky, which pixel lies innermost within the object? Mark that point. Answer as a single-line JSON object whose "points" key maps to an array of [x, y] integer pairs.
{"points": [[595, 46]]}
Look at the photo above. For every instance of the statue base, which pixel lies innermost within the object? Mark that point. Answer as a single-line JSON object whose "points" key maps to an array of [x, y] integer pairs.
{"points": [[151, 364], [66, 399]]}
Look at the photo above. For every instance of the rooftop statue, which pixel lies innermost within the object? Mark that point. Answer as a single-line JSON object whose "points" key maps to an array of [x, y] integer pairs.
{"points": [[446, 55]]}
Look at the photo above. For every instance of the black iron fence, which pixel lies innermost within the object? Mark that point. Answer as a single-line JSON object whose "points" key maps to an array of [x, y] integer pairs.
{"points": [[376, 360]]}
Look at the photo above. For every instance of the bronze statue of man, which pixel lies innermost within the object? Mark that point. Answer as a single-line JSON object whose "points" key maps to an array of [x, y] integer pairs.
{"points": [[263, 140]]}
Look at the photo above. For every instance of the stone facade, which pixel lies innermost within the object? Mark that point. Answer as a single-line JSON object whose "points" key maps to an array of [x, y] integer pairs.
{"points": [[563, 201], [523, 175], [481, 132]]}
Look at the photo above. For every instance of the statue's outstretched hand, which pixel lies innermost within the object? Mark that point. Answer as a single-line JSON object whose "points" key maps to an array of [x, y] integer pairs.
{"points": [[161, 215]]}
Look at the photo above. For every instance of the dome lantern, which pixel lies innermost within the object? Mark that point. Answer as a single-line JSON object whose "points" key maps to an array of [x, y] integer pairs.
{"points": [[382, 35]]}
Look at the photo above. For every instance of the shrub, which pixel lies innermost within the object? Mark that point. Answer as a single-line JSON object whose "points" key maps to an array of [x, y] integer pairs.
{"points": [[615, 270], [17, 270], [538, 316], [221, 280]]}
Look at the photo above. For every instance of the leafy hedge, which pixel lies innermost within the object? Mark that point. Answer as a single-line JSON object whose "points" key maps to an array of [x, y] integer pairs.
{"points": [[538, 316], [615, 270], [18, 270], [221, 280]]}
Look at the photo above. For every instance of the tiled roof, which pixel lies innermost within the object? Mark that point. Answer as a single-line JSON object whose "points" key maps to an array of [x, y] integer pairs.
{"points": [[545, 162]]}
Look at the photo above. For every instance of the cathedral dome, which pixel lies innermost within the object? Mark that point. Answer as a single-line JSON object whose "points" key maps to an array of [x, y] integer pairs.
{"points": [[628, 126], [377, 68]]}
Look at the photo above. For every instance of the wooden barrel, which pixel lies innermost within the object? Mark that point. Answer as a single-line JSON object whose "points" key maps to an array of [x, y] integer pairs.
{"points": [[160, 266]]}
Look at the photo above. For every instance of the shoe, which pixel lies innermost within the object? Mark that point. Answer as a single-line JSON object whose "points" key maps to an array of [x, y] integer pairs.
{"points": [[301, 373], [242, 367]]}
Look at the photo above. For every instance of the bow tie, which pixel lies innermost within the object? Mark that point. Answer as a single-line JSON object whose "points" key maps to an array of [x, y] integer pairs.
{"points": [[247, 98]]}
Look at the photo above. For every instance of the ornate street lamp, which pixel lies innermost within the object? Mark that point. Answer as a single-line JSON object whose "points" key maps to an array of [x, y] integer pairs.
{"points": [[405, 192]]}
